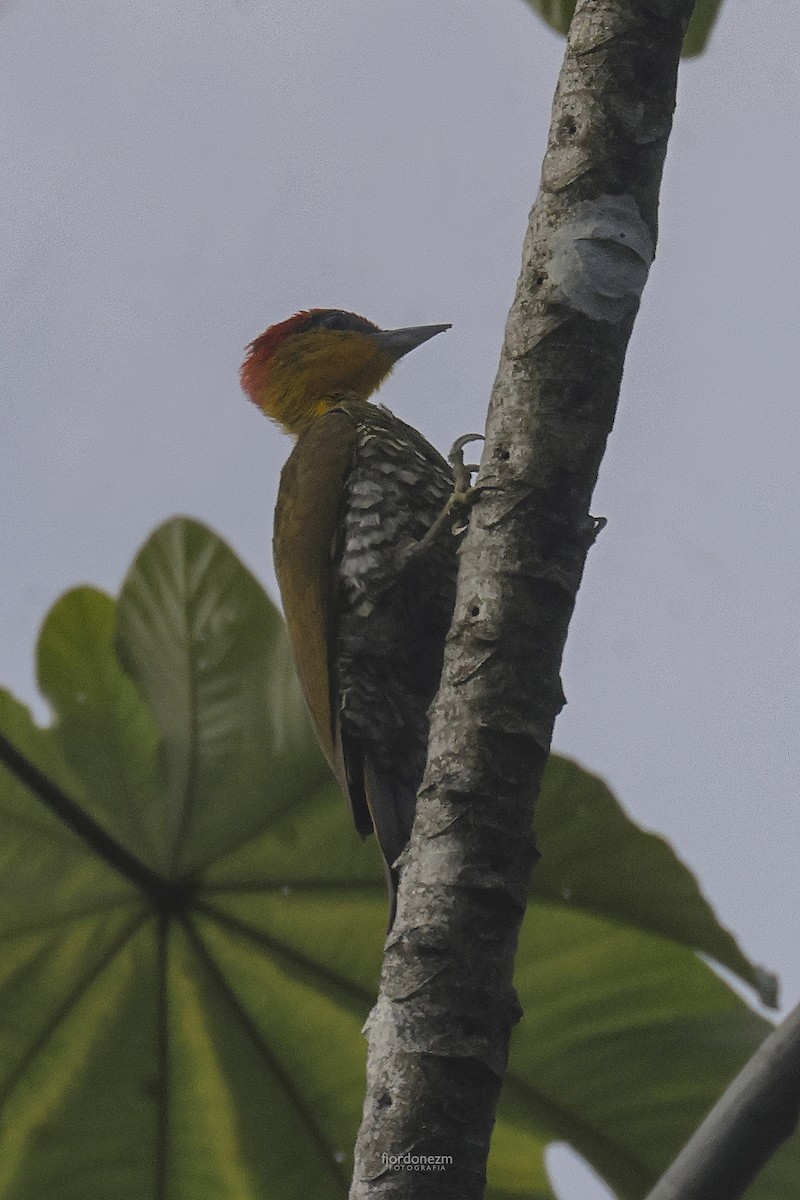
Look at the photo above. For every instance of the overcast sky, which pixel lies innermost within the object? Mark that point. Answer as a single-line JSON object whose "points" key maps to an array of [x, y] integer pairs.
{"points": [[179, 175]]}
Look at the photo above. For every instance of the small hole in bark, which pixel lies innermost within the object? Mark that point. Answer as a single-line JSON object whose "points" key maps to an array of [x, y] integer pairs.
{"points": [[475, 611], [570, 128], [504, 455], [385, 1101]]}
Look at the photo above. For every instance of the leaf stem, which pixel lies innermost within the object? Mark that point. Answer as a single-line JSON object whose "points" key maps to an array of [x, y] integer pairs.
{"points": [[166, 895]]}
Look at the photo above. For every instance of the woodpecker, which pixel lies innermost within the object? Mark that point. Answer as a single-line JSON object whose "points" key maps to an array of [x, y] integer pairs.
{"points": [[365, 556]]}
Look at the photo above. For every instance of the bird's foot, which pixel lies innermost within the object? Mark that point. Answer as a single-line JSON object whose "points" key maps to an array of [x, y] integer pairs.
{"points": [[461, 500], [464, 493]]}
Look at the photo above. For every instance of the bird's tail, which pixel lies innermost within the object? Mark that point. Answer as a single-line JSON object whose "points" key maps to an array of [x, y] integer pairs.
{"points": [[392, 803]]}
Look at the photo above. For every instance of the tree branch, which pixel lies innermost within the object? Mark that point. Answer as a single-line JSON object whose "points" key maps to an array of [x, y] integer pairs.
{"points": [[754, 1115], [439, 1033]]}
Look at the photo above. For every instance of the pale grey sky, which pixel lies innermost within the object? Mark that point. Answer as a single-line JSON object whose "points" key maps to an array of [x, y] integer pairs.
{"points": [[178, 176]]}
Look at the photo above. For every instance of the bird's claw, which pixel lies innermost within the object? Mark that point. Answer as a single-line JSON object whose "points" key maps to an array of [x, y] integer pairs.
{"points": [[460, 500], [462, 472], [463, 491]]}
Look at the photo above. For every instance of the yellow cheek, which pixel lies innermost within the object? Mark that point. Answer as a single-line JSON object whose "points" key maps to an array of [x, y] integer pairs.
{"points": [[312, 371], [346, 362]]}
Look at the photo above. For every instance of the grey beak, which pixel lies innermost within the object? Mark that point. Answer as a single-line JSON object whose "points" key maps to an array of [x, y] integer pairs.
{"points": [[398, 342]]}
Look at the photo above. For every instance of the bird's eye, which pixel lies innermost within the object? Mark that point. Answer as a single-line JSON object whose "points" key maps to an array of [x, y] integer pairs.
{"points": [[336, 320], [339, 320]]}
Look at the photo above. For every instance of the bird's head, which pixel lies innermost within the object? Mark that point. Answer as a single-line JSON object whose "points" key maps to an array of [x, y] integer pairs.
{"points": [[301, 368]]}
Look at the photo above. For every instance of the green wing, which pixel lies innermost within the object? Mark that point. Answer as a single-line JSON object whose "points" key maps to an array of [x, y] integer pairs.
{"points": [[306, 550]]}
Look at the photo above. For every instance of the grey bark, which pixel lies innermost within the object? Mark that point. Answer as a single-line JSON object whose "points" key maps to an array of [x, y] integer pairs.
{"points": [[439, 1032], [755, 1114]]}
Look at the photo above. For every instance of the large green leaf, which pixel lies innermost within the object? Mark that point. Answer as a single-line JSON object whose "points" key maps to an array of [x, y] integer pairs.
{"points": [[191, 935], [558, 15]]}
